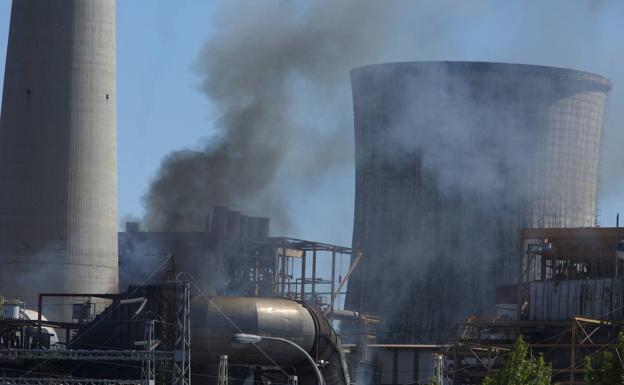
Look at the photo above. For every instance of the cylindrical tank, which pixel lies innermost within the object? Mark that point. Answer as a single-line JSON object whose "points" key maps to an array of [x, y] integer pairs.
{"points": [[11, 311], [452, 159], [212, 332], [58, 200], [215, 320]]}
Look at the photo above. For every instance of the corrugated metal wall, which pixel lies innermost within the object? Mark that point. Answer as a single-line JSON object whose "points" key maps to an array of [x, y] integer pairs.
{"points": [[562, 300]]}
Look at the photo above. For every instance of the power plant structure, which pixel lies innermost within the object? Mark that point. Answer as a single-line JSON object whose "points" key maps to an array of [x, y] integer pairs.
{"points": [[453, 159], [236, 256], [58, 201]]}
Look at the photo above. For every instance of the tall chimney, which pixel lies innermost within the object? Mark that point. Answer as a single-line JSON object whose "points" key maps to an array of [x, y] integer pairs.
{"points": [[58, 200]]}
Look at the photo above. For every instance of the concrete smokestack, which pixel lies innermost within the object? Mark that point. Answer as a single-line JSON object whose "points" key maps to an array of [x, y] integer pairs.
{"points": [[58, 195]]}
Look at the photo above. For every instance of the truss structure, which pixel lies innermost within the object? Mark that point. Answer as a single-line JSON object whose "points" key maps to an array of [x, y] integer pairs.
{"points": [[482, 346], [148, 366], [182, 356]]}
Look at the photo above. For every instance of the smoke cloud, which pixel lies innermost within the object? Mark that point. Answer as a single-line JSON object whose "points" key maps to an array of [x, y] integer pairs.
{"points": [[277, 75]]}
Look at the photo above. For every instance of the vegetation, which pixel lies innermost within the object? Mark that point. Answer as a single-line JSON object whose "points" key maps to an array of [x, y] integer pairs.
{"points": [[606, 368], [522, 369]]}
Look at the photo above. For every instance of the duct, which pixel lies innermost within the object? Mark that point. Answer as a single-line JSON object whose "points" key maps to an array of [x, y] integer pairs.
{"points": [[213, 320], [345, 314]]}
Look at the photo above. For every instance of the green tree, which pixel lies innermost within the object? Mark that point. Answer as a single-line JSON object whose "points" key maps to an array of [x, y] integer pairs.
{"points": [[521, 368], [606, 368]]}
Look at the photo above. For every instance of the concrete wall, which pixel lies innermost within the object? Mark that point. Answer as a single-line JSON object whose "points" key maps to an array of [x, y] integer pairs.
{"points": [[452, 159], [58, 195]]}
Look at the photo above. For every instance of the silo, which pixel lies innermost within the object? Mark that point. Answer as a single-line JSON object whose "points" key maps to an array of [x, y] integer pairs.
{"points": [[452, 159], [58, 201]]}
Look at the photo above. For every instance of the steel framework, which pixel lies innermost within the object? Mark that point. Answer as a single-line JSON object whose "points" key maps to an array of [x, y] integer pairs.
{"points": [[482, 346], [571, 271], [149, 367], [182, 356], [172, 335]]}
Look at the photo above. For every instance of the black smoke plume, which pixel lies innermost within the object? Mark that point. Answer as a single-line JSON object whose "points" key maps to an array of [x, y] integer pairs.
{"points": [[276, 75]]}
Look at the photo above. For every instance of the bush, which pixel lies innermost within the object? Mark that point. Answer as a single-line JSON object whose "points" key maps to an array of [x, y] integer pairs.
{"points": [[606, 368]]}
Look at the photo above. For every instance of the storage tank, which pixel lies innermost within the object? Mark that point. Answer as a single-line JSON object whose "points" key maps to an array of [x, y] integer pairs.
{"points": [[10, 311], [216, 320], [452, 159], [58, 200]]}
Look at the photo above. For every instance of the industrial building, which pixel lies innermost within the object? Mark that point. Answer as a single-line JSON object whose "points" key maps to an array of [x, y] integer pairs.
{"points": [[157, 332], [571, 306], [572, 272], [235, 256], [452, 160], [58, 201]]}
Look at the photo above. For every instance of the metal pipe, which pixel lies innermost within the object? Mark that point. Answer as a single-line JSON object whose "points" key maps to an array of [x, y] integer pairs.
{"points": [[216, 319]]}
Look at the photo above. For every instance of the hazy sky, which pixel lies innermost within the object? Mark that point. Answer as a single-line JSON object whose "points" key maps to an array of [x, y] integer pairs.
{"points": [[161, 107]]}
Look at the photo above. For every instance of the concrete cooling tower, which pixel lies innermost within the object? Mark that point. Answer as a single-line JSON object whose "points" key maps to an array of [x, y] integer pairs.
{"points": [[58, 150], [452, 159]]}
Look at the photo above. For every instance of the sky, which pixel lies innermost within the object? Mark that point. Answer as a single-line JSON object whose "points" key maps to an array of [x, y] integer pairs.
{"points": [[162, 108]]}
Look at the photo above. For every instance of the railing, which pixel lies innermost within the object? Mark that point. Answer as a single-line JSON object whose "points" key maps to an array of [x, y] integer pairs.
{"points": [[102, 355]]}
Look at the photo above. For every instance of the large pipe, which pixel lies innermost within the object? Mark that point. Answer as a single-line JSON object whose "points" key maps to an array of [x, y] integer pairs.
{"points": [[216, 319]]}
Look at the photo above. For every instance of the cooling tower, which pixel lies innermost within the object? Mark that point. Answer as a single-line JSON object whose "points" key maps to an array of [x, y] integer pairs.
{"points": [[58, 150], [452, 159]]}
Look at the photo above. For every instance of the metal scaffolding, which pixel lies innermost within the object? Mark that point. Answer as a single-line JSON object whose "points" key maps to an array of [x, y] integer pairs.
{"points": [[154, 318], [182, 356], [296, 271], [566, 272], [148, 367], [482, 345]]}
